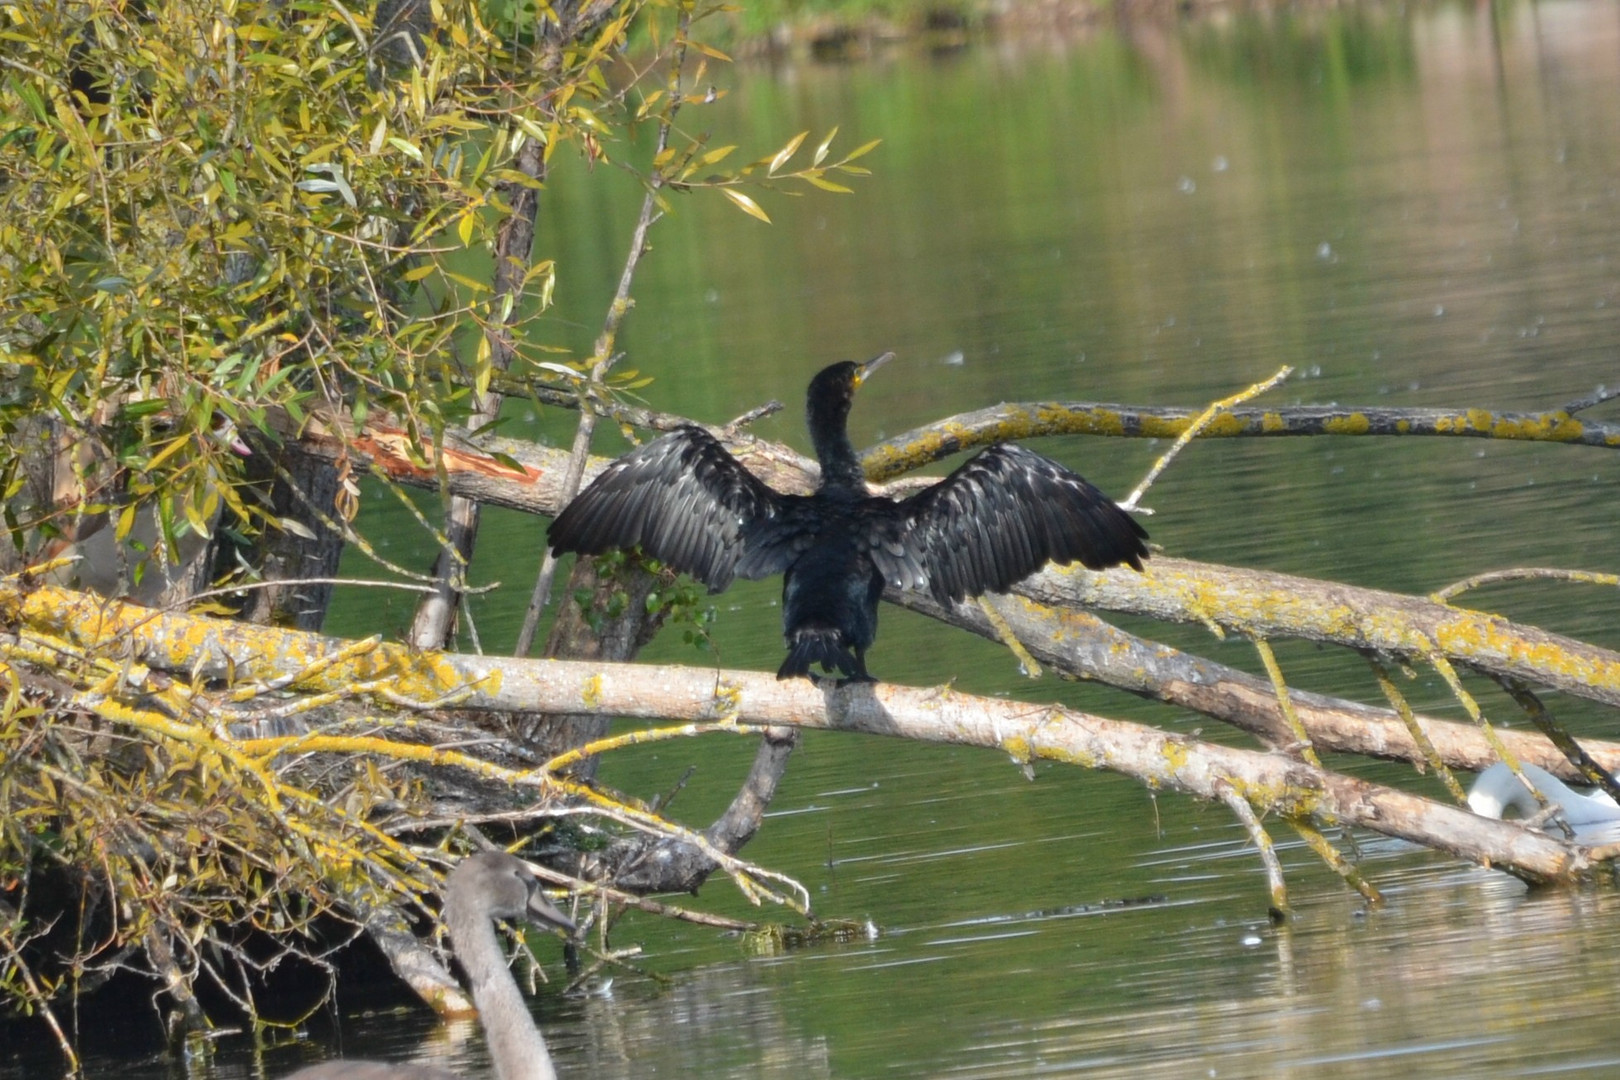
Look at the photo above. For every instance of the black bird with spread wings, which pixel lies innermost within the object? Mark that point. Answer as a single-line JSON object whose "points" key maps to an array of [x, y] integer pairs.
{"points": [[994, 521]]}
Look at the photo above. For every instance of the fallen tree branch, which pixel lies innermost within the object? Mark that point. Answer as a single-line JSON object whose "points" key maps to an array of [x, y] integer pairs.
{"points": [[208, 648], [1084, 646], [1027, 420], [1250, 602], [1260, 604]]}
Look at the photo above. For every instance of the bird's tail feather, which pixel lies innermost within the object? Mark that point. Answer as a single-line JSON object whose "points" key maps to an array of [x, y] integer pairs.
{"points": [[809, 645]]}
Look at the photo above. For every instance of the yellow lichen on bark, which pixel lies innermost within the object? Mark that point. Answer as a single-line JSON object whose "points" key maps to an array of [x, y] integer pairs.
{"points": [[221, 650], [1261, 604], [1351, 424]]}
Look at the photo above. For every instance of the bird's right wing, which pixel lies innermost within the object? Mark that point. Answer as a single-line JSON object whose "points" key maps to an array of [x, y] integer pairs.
{"points": [[682, 497]]}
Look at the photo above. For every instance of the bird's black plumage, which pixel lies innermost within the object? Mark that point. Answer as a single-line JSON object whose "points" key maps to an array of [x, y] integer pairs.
{"points": [[994, 521]]}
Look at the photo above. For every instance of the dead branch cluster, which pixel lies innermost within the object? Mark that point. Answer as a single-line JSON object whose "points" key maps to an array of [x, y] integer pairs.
{"points": [[209, 785]]}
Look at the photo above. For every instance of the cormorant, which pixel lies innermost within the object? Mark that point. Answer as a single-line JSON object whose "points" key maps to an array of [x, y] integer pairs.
{"points": [[994, 521]]}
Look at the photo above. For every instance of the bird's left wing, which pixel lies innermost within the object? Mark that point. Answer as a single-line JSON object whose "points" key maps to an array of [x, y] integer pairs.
{"points": [[682, 497], [997, 519]]}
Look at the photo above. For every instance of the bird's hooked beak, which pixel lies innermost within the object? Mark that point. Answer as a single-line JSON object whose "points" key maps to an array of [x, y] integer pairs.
{"points": [[544, 913], [864, 372]]}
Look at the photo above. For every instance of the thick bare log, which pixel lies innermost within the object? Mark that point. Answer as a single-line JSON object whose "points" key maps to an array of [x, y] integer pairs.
{"points": [[305, 490], [1080, 644], [209, 648]]}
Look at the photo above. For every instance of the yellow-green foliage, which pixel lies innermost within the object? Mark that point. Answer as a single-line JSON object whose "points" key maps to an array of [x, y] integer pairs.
{"points": [[137, 787], [177, 842], [210, 209], [217, 213]]}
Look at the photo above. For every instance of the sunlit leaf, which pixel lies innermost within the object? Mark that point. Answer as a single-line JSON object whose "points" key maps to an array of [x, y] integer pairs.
{"points": [[745, 204], [560, 369], [405, 147], [195, 520], [508, 461], [466, 282], [172, 447], [786, 152], [861, 151], [827, 185], [821, 150], [295, 527]]}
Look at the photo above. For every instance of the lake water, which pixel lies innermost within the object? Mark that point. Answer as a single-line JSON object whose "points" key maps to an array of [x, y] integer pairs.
{"points": [[1412, 206]]}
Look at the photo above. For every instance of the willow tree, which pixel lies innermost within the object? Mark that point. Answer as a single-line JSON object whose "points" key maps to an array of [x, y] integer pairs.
{"points": [[228, 230]]}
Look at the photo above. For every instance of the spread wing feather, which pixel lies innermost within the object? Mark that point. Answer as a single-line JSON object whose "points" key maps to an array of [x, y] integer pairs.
{"points": [[997, 519], [682, 497], [772, 543]]}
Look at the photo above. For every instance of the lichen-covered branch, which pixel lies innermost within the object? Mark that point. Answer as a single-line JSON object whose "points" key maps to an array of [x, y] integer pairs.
{"points": [[219, 798], [1083, 646], [1258, 603], [1027, 420], [1250, 602], [179, 643]]}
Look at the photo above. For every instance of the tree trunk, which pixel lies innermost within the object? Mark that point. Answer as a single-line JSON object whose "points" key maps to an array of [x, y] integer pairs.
{"points": [[287, 555]]}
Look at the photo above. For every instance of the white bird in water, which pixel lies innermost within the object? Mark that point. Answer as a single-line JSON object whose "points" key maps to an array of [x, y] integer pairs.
{"points": [[490, 885], [1497, 791]]}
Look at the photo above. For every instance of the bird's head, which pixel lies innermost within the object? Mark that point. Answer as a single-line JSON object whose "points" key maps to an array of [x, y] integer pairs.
{"points": [[833, 388], [505, 887]]}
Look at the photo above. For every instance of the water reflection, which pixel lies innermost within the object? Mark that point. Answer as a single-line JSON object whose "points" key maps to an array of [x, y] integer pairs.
{"points": [[718, 1021], [1462, 974]]}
